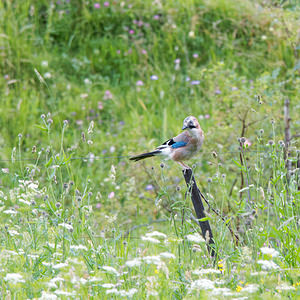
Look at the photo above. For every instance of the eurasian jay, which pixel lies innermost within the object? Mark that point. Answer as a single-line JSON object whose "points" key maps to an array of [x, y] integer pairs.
{"points": [[182, 147]]}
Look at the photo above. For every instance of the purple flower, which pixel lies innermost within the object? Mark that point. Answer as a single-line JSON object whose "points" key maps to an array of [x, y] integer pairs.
{"points": [[207, 116], [131, 31], [218, 92], [106, 3], [139, 83], [107, 95], [111, 195], [118, 51], [98, 205], [156, 17], [234, 88], [144, 51], [195, 82], [154, 77], [187, 79], [97, 5], [177, 61], [195, 55], [149, 187]]}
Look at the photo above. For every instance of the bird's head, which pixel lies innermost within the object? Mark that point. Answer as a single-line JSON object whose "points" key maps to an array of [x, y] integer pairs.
{"points": [[190, 123]]}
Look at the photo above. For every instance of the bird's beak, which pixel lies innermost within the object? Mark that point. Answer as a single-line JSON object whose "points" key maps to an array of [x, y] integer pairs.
{"points": [[184, 127]]}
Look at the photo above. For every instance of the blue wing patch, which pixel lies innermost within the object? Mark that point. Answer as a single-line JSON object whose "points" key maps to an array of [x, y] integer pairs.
{"points": [[178, 145]]}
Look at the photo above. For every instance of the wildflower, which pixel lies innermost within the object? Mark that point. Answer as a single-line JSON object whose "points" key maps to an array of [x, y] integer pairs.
{"points": [[238, 288], [111, 195], [13, 278], [271, 143], [207, 116], [59, 266], [191, 34], [47, 75], [156, 17], [261, 131], [250, 288], [202, 284], [136, 262], [263, 37], [44, 64], [48, 296], [150, 239], [221, 265], [281, 143], [195, 55], [131, 31], [10, 212], [152, 260], [110, 269], [78, 247], [66, 226], [108, 285], [100, 105], [58, 205], [149, 187], [218, 92], [269, 251], [167, 255], [13, 232], [206, 271], [157, 234], [162, 165], [106, 4], [195, 82], [97, 5], [107, 95], [154, 77], [195, 238], [285, 287], [98, 205], [139, 83], [267, 265]]}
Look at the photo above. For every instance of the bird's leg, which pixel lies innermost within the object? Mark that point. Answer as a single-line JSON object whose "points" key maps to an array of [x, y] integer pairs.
{"points": [[184, 166]]}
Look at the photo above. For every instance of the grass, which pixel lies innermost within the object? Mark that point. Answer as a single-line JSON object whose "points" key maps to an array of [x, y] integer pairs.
{"points": [[83, 88]]}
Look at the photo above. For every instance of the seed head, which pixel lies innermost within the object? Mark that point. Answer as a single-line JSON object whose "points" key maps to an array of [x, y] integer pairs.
{"points": [[261, 131], [178, 188], [162, 165], [43, 116], [271, 142], [58, 205], [209, 180], [20, 136], [243, 140], [281, 143]]}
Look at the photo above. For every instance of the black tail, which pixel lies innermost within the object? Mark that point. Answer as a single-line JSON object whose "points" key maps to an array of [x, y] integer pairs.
{"points": [[144, 155]]}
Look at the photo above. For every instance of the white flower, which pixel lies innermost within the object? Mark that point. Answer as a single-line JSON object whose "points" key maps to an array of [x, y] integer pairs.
{"points": [[133, 263], [195, 238], [156, 234], [150, 239], [47, 75], [47, 296], [87, 81], [110, 269], [59, 266], [202, 284], [108, 285], [78, 247], [13, 232], [154, 77], [167, 255], [206, 271], [152, 260], [14, 278], [269, 251], [122, 293], [44, 63], [285, 287], [10, 212], [64, 293], [221, 291], [95, 279], [66, 225], [112, 291], [250, 288], [267, 265], [262, 273]]}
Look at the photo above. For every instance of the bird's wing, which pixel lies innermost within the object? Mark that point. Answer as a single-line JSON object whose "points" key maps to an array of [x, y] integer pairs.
{"points": [[178, 141]]}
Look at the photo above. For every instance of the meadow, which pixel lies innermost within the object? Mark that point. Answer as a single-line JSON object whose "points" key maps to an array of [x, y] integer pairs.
{"points": [[86, 84]]}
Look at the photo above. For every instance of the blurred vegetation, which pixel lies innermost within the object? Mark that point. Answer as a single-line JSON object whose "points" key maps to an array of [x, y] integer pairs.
{"points": [[124, 74]]}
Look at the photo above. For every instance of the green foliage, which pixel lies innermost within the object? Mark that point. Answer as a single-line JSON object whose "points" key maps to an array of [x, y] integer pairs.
{"points": [[85, 84]]}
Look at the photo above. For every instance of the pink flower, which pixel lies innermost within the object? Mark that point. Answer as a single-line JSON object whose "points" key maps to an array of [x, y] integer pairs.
{"points": [[97, 5], [139, 83], [131, 31], [106, 3], [111, 195], [100, 105], [107, 95], [144, 51], [98, 205], [156, 17], [195, 55], [247, 143], [207, 116]]}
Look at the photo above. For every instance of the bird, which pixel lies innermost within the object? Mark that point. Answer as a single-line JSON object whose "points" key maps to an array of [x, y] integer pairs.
{"points": [[181, 147]]}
